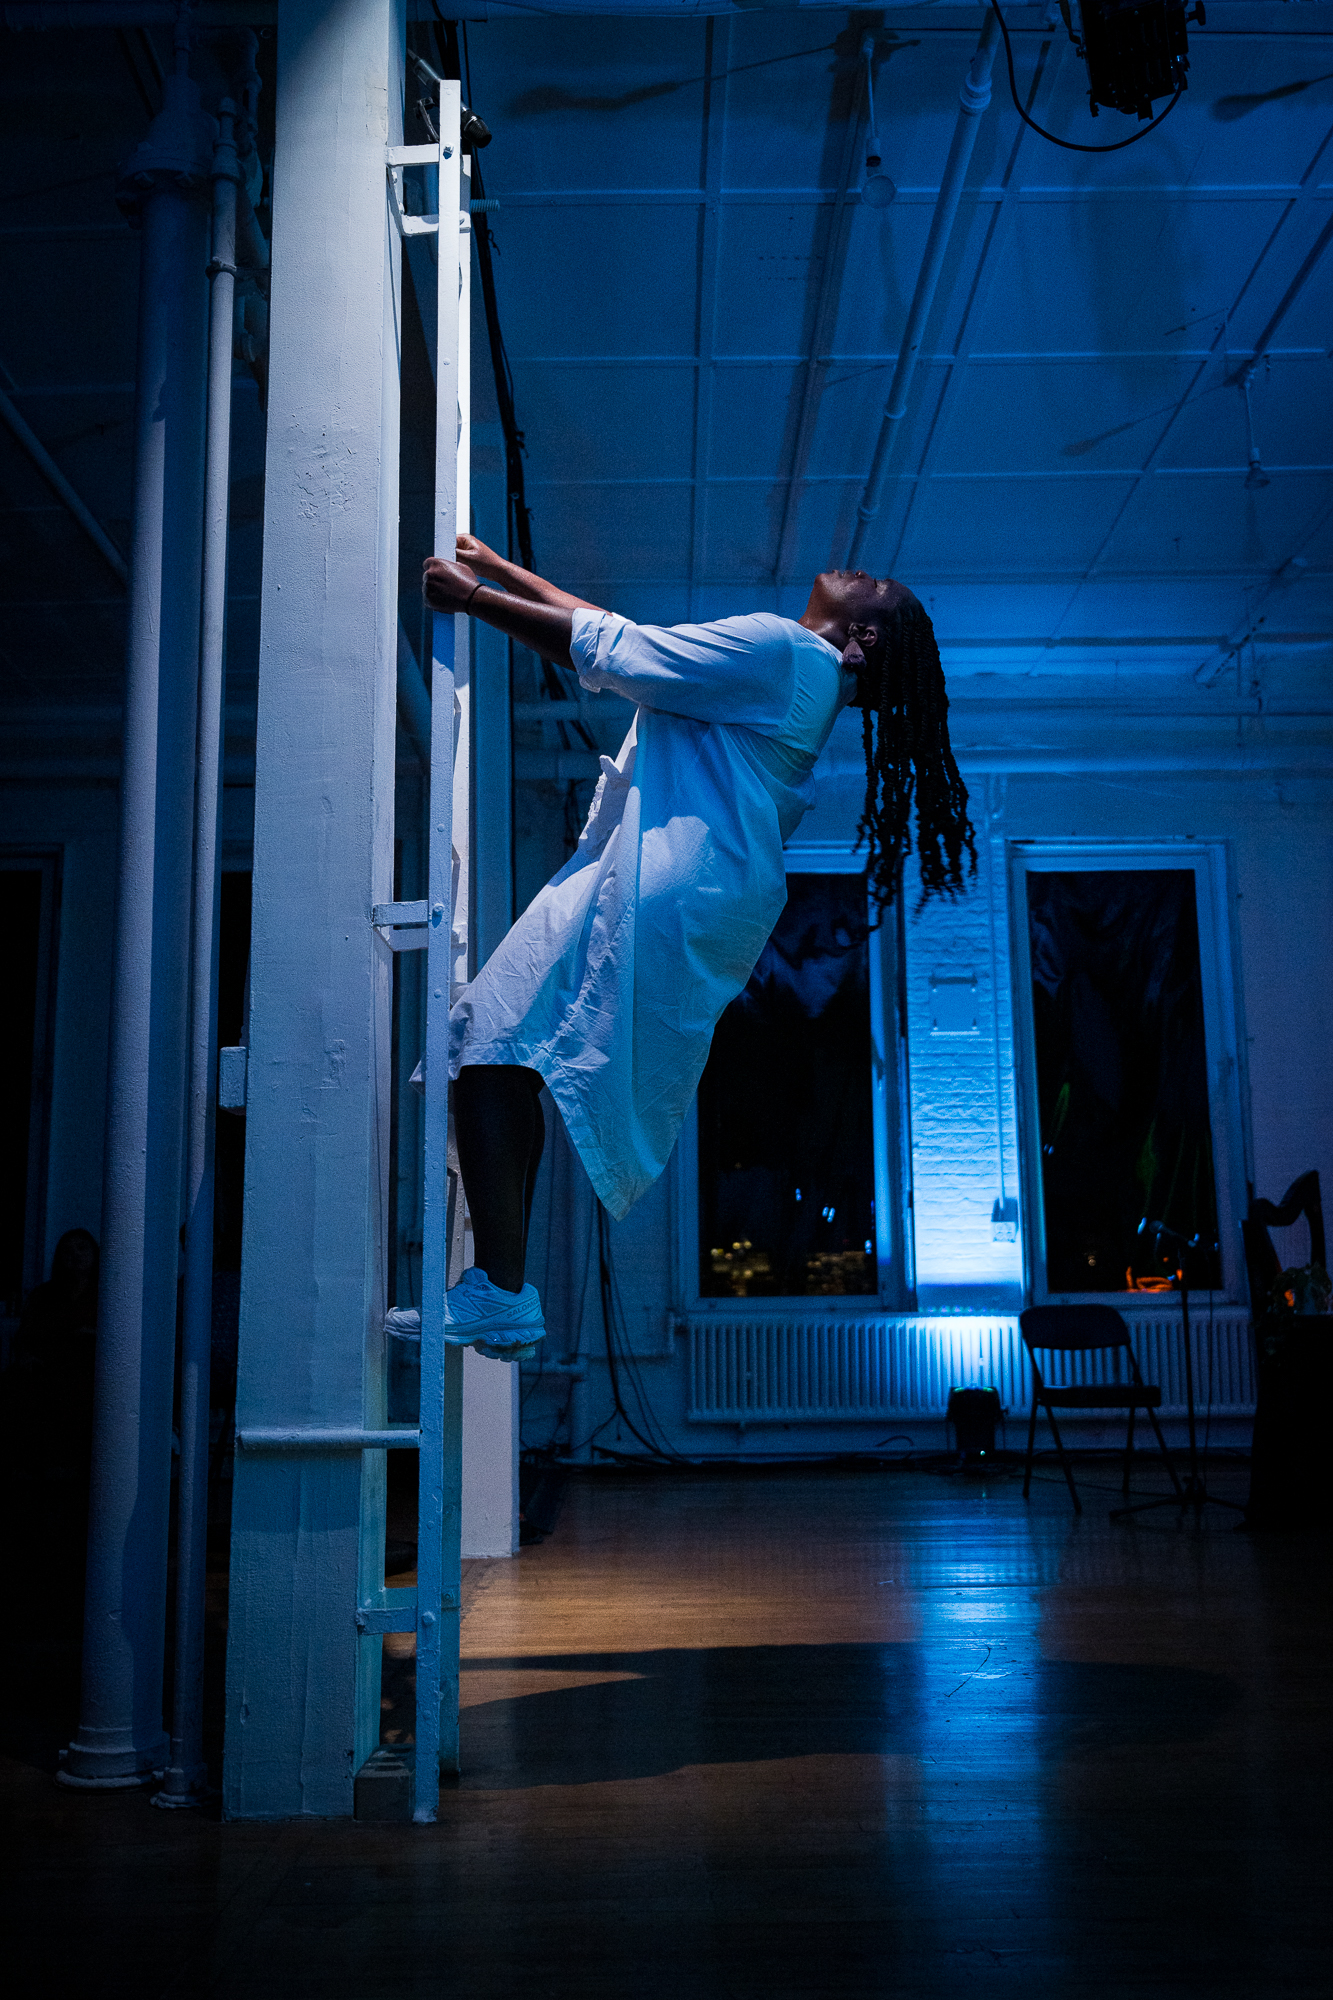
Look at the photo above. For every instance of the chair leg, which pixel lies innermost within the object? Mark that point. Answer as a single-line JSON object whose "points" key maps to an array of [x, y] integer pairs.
{"points": [[1032, 1441], [1129, 1452], [1166, 1456], [1069, 1476]]}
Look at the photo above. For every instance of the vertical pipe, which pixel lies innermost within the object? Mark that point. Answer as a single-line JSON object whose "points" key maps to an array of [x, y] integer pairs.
{"points": [[972, 101], [186, 1772], [120, 1739]]}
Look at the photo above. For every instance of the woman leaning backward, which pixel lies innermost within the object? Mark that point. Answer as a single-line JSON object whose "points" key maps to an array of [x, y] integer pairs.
{"points": [[609, 986]]}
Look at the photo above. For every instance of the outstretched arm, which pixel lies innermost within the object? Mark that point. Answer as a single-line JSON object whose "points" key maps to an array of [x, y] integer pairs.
{"points": [[484, 562], [526, 607]]}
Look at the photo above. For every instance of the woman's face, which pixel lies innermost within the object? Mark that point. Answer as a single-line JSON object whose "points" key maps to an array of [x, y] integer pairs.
{"points": [[848, 597]]}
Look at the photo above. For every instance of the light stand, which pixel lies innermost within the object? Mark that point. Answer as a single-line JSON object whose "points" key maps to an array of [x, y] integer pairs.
{"points": [[1172, 1248]]}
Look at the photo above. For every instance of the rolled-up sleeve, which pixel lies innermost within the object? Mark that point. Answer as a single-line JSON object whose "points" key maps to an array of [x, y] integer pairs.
{"points": [[738, 670]]}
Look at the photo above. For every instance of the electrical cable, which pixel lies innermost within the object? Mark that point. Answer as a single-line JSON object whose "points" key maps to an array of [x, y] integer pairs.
{"points": [[1073, 145], [662, 1450]]}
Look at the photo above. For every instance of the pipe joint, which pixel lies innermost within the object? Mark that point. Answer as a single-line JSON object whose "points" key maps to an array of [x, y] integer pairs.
{"points": [[176, 152], [974, 95]]}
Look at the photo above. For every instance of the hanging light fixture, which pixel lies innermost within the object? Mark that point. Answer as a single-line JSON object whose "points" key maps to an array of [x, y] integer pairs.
{"points": [[877, 190], [1256, 477]]}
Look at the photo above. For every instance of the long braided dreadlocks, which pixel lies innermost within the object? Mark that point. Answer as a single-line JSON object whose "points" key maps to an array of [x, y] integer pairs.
{"points": [[905, 733]]}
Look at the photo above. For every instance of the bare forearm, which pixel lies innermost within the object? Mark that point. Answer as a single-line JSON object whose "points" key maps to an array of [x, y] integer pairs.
{"points": [[535, 589], [544, 626], [483, 561]]}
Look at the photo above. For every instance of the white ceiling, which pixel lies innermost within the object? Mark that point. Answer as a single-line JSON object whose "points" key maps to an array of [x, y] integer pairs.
{"points": [[1069, 493], [1070, 485]]}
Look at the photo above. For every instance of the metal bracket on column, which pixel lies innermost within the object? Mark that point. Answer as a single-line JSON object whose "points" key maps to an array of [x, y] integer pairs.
{"points": [[388, 1611], [406, 926], [233, 1068], [395, 159]]}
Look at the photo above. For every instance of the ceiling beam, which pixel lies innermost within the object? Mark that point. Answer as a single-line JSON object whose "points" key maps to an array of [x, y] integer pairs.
{"points": [[1299, 206], [61, 487]]}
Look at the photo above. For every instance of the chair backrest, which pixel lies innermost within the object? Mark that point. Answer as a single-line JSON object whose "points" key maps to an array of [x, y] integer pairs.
{"points": [[1071, 1327]]}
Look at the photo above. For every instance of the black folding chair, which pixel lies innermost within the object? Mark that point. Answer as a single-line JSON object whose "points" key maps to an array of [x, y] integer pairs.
{"points": [[1086, 1329]]}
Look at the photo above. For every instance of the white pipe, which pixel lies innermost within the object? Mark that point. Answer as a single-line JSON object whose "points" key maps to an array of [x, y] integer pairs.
{"points": [[972, 101], [120, 1739], [187, 1774], [58, 483]]}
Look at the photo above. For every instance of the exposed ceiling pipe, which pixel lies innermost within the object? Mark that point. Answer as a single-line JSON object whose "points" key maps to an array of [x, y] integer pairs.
{"points": [[826, 311], [972, 101], [60, 486], [1261, 346]]}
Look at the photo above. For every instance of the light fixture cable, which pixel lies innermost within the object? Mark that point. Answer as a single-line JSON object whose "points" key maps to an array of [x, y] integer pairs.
{"points": [[1074, 145]]}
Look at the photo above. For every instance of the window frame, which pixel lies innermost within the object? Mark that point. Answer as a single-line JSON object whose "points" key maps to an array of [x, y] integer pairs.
{"points": [[890, 1137], [1210, 863]]}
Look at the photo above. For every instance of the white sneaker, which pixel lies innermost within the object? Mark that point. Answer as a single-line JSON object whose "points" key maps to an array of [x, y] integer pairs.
{"points": [[476, 1310], [504, 1326]]}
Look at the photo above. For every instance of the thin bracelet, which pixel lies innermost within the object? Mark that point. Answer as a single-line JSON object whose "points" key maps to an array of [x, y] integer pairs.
{"points": [[471, 594]]}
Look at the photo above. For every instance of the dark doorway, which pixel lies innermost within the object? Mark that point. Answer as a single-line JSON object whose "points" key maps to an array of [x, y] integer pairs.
{"points": [[27, 924], [1122, 1074], [786, 1143]]}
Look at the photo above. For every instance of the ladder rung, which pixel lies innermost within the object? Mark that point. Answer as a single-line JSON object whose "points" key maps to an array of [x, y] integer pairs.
{"points": [[411, 156], [389, 1611], [385, 915], [332, 1438]]}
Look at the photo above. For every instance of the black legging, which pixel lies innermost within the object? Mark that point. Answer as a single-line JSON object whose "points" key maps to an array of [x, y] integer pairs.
{"points": [[500, 1130]]}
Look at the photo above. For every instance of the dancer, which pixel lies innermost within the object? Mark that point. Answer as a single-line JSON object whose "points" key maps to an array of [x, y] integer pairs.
{"points": [[609, 986]]}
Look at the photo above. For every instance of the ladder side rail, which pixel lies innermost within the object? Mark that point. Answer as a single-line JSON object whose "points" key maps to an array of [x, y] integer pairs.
{"points": [[439, 1492], [374, 1496], [463, 928]]}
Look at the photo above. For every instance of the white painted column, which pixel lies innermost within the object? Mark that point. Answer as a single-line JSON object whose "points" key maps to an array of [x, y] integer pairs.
{"points": [[302, 1684], [490, 1456]]}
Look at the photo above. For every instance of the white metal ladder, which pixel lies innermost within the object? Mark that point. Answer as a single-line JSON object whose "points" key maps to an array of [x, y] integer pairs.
{"points": [[433, 1609]]}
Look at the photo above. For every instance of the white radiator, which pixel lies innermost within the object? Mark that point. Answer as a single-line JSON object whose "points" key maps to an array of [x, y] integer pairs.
{"points": [[800, 1368]]}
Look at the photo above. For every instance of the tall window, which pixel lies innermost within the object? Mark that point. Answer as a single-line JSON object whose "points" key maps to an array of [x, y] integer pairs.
{"points": [[1122, 1080], [786, 1148]]}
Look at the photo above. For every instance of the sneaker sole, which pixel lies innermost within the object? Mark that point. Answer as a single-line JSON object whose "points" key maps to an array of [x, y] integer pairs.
{"points": [[520, 1351]]}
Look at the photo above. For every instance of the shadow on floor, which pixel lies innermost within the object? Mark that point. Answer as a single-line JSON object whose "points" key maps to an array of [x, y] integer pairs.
{"points": [[744, 1704]]}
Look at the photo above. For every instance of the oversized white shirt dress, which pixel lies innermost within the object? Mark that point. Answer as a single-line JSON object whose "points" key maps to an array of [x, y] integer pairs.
{"points": [[611, 982]]}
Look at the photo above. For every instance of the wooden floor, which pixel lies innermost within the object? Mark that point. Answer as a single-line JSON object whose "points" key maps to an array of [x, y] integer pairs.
{"points": [[791, 1733]]}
